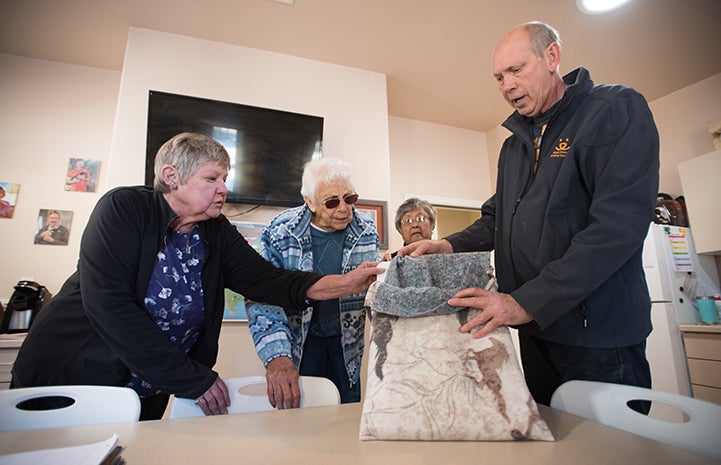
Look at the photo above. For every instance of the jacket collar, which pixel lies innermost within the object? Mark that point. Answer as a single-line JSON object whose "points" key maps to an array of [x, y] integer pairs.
{"points": [[578, 83]]}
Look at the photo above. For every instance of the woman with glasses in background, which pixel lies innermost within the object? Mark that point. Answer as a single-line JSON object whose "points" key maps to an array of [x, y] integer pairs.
{"points": [[326, 338], [415, 220]]}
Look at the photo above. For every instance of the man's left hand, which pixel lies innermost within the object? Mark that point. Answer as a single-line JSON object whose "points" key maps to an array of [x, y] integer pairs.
{"points": [[498, 310]]}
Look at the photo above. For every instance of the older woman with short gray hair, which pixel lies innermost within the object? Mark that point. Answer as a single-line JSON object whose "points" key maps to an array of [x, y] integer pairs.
{"points": [[415, 220]]}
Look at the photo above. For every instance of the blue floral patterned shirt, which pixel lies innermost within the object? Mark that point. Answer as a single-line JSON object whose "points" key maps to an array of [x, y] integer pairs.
{"points": [[175, 295]]}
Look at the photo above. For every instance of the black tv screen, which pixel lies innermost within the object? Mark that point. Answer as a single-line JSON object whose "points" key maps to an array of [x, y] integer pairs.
{"points": [[268, 148]]}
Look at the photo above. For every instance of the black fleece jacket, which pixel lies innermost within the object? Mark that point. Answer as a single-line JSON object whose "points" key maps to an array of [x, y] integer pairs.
{"points": [[568, 239], [96, 329]]}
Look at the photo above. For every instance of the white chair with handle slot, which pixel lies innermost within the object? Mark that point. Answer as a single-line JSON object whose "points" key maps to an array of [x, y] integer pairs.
{"points": [[607, 403], [77, 405], [314, 391]]}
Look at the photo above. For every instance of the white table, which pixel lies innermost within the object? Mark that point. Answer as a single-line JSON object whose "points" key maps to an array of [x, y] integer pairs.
{"points": [[329, 435]]}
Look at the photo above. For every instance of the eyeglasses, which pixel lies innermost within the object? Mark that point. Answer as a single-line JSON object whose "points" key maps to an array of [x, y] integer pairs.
{"points": [[417, 219], [335, 201]]}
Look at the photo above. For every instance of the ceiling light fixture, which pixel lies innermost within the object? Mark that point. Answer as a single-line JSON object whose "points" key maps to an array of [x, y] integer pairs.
{"points": [[594, 7]]}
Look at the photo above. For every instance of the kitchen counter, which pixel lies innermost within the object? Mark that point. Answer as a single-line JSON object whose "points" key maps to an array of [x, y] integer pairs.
{"points": [[713, 328], [11, 341], [9, 347]]}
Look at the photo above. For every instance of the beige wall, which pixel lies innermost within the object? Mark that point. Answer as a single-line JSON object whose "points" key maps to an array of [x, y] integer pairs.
{"points": [[435, 162], [683, 119], [49, 112], [52, 111], [353, 102], [237, 355]]}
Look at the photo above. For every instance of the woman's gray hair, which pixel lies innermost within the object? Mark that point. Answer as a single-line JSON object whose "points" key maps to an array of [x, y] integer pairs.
{"points": [[542, 35], [187, 152], [325, 170], [415, 203]]}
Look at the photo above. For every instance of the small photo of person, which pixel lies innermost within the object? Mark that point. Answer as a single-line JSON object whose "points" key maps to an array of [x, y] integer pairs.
{"points": [[53, 227], [8, 198], [82, 175]]}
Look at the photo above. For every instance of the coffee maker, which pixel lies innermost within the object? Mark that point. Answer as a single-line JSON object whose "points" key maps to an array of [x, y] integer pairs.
{"points": [[27, 300]]}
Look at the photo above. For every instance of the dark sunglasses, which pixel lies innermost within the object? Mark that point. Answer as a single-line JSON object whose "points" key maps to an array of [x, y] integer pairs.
{"points": [[334, 202]]}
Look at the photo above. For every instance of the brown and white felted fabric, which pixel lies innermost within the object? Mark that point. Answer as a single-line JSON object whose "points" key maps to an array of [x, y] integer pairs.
{"points": [[428, 381]]}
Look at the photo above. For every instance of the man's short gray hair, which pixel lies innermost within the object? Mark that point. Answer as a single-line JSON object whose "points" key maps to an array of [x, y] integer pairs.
{"points": [[542, 35]]}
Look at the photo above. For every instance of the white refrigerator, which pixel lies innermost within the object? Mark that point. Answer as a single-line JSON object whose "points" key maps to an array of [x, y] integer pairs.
{"points": [[675, 276]]}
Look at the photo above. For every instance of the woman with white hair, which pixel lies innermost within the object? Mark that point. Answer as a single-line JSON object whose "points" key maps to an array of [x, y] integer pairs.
{"points": [[325, 234]]}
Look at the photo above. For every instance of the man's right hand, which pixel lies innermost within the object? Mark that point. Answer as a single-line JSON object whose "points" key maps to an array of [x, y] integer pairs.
{"points": [[282, 376], [426, 246]]}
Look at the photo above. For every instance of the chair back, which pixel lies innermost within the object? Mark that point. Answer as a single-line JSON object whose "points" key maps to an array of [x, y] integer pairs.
{"points": [[84, 405], [314, 391], [607, 403]]}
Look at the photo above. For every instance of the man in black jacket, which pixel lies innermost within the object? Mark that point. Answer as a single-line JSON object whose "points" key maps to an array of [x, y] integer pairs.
{"points": [[576, 189]]}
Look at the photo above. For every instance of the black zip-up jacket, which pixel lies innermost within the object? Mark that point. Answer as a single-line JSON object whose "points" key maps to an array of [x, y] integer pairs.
{"points": [[96, 329], [568, 239]]}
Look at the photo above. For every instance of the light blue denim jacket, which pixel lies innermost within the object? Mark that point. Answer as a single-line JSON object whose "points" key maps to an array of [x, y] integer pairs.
{"points": [[286, 243]]}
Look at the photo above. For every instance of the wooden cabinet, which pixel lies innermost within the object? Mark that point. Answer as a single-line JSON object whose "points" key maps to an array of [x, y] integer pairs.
{"points": [[9, 347], [703, 352]]}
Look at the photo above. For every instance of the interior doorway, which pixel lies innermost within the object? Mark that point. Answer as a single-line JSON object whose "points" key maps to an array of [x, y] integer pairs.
{"points": [[453, 219]]}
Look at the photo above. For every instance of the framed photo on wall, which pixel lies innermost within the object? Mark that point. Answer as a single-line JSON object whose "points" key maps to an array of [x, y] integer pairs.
{"points": [[376, 210], [8, 198], [82, 175], [53, 227]]}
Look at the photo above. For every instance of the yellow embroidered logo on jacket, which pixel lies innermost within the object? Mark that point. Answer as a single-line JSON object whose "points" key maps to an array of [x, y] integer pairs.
{"points": [[561, 149]]}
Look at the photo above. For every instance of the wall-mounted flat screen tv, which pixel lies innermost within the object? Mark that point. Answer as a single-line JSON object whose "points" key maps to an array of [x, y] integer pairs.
{"points": [[268, 148]]}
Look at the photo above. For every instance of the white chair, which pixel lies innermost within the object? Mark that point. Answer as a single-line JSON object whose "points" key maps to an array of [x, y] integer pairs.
{"points": [[607, 403], [314, 391], [89, 405]]}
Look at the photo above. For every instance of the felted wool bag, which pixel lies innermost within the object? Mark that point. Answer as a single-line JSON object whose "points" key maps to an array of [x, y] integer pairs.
{"points": [[428, 381]]}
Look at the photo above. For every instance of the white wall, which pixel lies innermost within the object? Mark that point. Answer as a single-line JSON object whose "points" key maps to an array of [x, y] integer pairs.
{"points": [[433, 160], [353, 102], [683, 119], [49, 112], [495, 138]]}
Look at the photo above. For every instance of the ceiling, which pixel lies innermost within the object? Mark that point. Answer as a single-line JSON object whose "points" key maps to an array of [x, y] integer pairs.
{"points": [[436, 54]]}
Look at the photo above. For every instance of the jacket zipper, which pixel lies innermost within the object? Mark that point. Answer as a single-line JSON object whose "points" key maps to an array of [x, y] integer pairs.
{"points": [[516, 203], [584, 313]]}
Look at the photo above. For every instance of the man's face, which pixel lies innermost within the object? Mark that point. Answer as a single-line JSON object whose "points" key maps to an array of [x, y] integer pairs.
{"points": [[54, 220], [524, 80]]}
